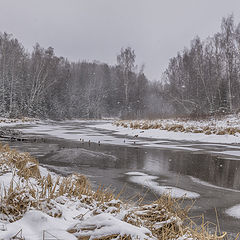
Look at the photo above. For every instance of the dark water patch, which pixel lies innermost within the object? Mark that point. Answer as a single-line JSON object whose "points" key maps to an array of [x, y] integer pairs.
{"points": [[107, 165]]}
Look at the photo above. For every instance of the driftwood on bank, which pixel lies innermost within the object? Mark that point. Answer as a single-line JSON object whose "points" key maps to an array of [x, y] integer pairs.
{"points": [[13, 138], [14, 135]]}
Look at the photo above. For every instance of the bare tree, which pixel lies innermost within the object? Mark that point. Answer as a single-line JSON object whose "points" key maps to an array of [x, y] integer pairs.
{"points": [[126, 62]]}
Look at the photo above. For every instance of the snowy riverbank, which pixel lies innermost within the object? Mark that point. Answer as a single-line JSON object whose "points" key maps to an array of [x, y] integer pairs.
{"points": [[54, 201], [224, 130], [67, 208]]}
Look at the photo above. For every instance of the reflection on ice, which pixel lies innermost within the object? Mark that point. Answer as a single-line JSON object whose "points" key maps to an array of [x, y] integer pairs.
{"points": [[231, 153], [196, 180]]}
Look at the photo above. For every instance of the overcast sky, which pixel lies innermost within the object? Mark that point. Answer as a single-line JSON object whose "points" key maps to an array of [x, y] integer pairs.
{"points": [[97, 29]]}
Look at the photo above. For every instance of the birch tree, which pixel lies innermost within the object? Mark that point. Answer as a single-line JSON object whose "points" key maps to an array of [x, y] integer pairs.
{"points": [[126, 62]]}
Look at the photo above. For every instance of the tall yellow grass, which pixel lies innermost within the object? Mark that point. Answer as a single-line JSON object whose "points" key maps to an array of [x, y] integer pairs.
{"points": [[165, 218], [179, 126]]}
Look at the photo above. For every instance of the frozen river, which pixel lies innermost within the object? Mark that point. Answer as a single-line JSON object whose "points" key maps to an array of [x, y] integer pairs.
{"points": [[206, 173]]}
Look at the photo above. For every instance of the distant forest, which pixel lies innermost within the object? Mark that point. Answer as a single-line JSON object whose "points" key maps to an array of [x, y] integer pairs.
{"points": [[200, 81]]}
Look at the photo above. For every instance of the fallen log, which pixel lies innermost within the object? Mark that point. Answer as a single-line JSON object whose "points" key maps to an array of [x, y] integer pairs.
{"points": [[20, 139]]}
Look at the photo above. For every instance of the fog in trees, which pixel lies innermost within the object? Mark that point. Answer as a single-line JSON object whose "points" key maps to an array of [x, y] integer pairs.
{"points": [[200, 81], [40, 84]]}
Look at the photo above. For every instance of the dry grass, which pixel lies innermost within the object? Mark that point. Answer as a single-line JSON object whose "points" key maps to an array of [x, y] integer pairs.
{"points": [[25, 165], [207, 128], [28, 189], [165, 218], [15, 120]]}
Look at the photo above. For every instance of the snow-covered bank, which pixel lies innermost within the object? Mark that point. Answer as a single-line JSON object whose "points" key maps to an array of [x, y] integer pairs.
{"points": [[148, 181], [109, 132], [13, 122], [225, 130], [67, 208]]}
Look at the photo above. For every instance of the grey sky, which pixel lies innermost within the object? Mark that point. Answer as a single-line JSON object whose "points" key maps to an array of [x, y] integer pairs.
{"points": [[97, 29]]}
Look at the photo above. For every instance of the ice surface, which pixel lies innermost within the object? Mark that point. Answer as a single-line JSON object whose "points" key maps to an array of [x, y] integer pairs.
{"points": [[196, 180], [234, 211], [148, 181]]}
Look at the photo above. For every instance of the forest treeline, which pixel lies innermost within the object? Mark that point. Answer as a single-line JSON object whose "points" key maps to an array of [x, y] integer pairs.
{"points": [[200, 81], [205, 79], [40, 84]]}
